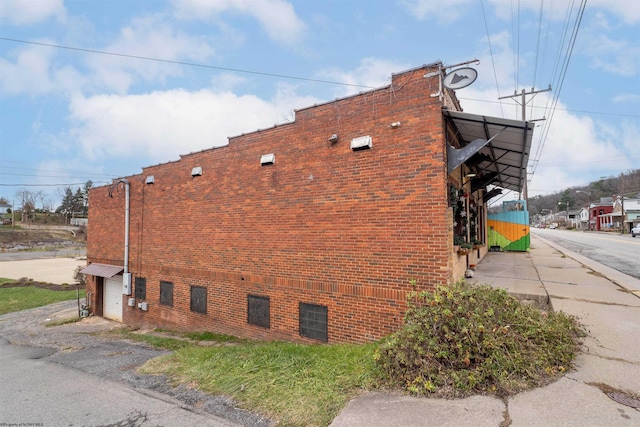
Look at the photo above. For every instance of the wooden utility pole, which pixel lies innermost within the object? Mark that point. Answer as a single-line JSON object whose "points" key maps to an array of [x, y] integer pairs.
{"points": [[523, 103]]}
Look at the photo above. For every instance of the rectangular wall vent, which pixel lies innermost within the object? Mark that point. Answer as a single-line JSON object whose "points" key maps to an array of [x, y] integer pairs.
{"points": [[197, 171], [267, 159], [361, 143], [150, 179]]}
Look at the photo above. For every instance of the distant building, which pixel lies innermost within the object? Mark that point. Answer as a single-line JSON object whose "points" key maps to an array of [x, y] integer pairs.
{"points": [[599, 214], [79, 222]]}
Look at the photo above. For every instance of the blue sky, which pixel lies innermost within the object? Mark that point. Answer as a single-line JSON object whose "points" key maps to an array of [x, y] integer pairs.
{"points": [[68, 115]]}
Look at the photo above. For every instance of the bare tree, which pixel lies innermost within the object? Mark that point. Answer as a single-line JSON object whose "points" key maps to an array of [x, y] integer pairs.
{"points": [[28, 201]]}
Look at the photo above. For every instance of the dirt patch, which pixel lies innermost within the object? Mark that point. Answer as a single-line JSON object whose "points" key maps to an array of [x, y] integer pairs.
{"points": [[20, 239], [50, 286]]}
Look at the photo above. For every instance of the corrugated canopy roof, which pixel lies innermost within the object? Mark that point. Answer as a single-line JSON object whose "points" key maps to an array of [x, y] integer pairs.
{"points": [[102, 270], [497, 149]]}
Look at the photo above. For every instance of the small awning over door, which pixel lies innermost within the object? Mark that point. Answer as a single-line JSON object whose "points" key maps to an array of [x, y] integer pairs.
{"points": [[102, 270]]}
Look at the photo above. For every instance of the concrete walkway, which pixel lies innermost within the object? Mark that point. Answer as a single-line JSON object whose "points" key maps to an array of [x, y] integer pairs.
{"points": [[603, 390]]}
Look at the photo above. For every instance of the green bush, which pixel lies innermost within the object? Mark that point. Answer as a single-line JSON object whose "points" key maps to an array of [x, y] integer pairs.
{"points": [[464, 339]]}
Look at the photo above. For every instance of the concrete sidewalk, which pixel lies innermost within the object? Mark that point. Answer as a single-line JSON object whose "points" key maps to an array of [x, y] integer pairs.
{"points": [[604, 388]]}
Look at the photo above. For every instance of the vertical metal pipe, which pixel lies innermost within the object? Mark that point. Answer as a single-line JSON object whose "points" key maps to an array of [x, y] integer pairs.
{"points": [[126, 226]]}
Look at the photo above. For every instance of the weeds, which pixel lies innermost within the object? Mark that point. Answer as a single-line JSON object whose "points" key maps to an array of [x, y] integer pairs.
{"points": [[61, 322], [463, 339]]}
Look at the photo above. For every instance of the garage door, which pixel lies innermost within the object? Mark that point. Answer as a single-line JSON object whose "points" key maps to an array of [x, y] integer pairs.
{"points": [[112, 298]]}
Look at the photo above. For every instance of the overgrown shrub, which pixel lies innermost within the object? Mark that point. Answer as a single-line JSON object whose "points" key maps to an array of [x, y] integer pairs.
{"points": [[464, 339]]}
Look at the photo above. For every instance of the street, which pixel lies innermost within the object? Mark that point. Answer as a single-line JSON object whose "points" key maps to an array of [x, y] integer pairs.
{"points": [[77, 374], [36, 391], [620, 252], [60, 253]]}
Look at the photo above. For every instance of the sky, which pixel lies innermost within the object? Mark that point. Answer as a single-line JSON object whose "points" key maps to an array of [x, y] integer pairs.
{"points": [[98, 89]]}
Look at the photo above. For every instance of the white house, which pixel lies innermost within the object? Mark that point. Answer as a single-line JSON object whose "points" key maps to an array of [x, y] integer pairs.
{"points": [[583, 219]]}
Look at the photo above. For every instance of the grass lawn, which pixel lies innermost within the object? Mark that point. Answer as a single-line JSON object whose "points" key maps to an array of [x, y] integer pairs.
{"points": [[25, 297], [295, 384]]}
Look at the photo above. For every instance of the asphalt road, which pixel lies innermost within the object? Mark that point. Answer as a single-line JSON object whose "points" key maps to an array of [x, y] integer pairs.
{"points": [[38, 392], [76, 375], [620, 252], [25, 255]]}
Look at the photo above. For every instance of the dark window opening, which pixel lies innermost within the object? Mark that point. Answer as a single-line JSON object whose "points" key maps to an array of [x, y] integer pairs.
{"points": [[166, 293], [199, 299], [258, 311], [313, 321], [141, 288]]}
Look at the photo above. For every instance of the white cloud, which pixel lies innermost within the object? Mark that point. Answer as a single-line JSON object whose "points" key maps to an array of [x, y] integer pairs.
{"points": [[161, 125], [370, 73], [29, 71], [578, 150], [627, 97], [613, 50], [28, 74], [627, 10], [277, 17], [443, 13], [149, 37], [25, 12]]}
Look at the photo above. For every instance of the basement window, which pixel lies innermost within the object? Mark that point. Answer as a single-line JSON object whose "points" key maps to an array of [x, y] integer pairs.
{"points": [[141, 288], [258, 311], [166, 293], [199, 299], [313, 321]]}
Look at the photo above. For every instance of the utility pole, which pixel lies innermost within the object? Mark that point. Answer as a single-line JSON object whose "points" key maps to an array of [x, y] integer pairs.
{"points": [[523, 94], [622, 204], [523, 102]]}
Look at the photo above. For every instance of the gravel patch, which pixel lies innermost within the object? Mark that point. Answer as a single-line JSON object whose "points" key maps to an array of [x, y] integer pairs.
{"points": [[81, 346]]}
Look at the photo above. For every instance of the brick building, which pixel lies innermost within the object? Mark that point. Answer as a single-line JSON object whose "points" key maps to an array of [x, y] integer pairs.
{"points": [[314, 230]]}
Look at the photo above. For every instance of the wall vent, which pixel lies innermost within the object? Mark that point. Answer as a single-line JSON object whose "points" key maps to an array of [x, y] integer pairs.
{"points": [[197, 171], [267, 159], [150, 179], [361, 143]]}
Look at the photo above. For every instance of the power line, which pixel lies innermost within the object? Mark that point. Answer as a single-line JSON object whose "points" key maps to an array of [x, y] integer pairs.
{"points": [[76, 173], [493, 64], [535, 67], [559, 109], [43, 185], [191, 64], [563, 72], [42, 176]]}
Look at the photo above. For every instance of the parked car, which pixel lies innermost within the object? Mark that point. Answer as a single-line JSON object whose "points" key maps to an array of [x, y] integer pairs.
{"points": [[635, 231]]}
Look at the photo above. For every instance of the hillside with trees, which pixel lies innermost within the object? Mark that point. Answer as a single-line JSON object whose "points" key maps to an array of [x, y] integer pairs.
{"points": [[627, 184]]}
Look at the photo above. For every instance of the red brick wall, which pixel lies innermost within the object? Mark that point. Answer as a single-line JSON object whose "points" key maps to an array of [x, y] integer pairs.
{"points": [[323, 225]]}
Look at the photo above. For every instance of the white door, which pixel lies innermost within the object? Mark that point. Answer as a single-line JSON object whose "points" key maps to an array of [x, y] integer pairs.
{"points": [[112, 298]]}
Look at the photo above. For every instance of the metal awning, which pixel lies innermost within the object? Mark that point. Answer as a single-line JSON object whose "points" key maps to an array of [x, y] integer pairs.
{"points": [[102, 270], [497, 149]]}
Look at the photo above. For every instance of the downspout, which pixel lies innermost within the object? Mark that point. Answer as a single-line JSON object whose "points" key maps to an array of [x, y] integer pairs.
{"points": [[126, 225], [126, 277]]}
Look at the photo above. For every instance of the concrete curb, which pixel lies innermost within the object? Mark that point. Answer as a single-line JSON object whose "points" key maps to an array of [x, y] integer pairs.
{"points": [[625, 281]]}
